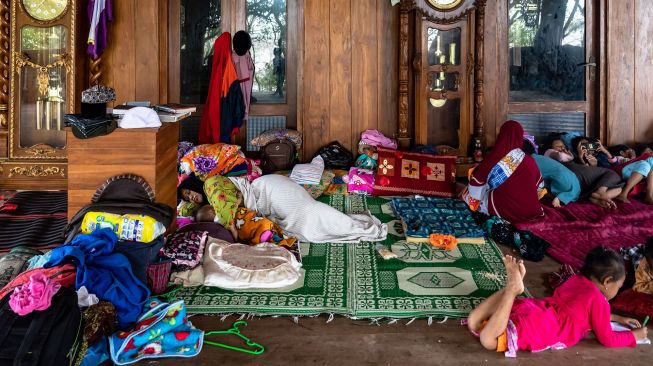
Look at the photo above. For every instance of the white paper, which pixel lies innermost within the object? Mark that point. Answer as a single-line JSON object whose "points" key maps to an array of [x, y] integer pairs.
{"points": [[622, 328]]}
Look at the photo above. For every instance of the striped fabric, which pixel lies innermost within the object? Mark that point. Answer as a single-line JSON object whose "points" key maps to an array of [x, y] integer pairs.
{"points": [[33, 219], [256, 125]]}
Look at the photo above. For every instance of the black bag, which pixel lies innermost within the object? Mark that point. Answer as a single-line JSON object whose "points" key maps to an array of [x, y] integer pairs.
{"points": [[127, 194], [336, 156], [42, 338], [85, 128], [278, 155]]}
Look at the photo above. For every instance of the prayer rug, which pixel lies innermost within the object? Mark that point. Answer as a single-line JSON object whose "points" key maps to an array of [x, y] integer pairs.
{"points": [[33, 219], [575, 229], [355, 281]]}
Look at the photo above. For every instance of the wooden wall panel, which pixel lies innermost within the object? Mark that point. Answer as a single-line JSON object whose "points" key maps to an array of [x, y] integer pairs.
{"points": [[643, 128], [491, 73], [620, 73], [315, 86], [132, 60], [365, 61], [340, 65], [351, 85]]}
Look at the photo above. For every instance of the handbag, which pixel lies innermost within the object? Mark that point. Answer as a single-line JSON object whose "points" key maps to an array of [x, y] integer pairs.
{"points": [[85, 128], [336, 156], [278, 155]]}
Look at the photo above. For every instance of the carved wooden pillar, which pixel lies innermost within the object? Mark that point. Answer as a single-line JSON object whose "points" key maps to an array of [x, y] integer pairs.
{"points": [[95, 71], [4, 62], [479, 62], [402, 126]]}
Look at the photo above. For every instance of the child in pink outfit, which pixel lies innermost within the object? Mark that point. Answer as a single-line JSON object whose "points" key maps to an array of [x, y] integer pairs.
{"points": [[578, 306]]}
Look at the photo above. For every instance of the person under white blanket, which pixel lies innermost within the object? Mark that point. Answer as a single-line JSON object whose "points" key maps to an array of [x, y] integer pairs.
{"points": [[291, 207]]}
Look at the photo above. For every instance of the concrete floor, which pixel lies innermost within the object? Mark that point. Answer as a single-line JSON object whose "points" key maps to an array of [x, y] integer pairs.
{"points": [[349, 342]]}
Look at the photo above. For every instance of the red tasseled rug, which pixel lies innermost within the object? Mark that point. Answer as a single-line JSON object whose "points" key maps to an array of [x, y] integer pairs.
{"points": [[575, 229]]}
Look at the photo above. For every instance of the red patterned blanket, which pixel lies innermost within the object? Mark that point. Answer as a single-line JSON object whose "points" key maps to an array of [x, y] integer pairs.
{"points": [[575, 229]]}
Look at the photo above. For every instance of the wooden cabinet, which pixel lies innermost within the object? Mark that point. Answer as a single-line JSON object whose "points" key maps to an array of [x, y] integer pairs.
{"points": [[148, 152], [441, 73]]}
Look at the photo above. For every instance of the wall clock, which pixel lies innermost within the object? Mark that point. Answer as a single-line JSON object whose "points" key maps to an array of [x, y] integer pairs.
{"points": [[45, 10], [444, 4]]}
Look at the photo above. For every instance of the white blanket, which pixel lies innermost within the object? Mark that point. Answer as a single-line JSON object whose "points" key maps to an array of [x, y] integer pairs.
{"points": [[289, 205]]}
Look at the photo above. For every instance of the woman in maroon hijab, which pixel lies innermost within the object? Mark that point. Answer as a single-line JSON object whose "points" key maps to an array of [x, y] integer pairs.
{"points": [[507, 183]]}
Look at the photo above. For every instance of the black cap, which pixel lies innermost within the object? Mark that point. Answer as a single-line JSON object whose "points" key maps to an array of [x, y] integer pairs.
{"points": [[242, 42]]}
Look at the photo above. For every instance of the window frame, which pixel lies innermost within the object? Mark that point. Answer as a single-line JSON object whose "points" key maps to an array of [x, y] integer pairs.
{"points": [[234, 18]]}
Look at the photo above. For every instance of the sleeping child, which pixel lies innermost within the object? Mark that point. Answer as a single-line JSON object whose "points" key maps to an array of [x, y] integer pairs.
{"points": [[644, 272], [507, 324]]}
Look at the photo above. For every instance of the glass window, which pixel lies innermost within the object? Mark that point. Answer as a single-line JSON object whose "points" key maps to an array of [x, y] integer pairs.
{"points": [[267, 25], [43, 91], [546, 40], [200, 26]]}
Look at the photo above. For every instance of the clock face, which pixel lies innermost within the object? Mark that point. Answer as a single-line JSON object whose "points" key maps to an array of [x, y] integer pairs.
{"points": [[445, 4], [45, 10]]}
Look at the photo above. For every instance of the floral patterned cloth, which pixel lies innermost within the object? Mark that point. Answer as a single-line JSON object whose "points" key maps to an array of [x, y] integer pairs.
{"points": [[187, 209], [223, 197], [163, 331], [253, 228], [185, 249], [360, 181], [213, 159]]}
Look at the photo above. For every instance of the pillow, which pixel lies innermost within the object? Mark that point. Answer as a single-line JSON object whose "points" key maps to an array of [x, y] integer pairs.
{"points": [[404, 173], [310, 173], [633, 303], [214, 159], [214, 230], [316, 190], [185, 249], [278, 134]]}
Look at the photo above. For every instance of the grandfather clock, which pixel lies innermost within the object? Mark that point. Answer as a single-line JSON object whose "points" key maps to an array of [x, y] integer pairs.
{"points": [[441, 73], [42, 37]]}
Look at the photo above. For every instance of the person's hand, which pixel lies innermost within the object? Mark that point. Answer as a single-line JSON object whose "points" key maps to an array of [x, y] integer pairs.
{"points": [[602, 149], [640, 333], [556, 202], [591, 159], [629, 322]]}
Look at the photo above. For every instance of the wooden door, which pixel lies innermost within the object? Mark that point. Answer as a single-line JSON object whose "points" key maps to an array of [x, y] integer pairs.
{"points": [[548, 62]]}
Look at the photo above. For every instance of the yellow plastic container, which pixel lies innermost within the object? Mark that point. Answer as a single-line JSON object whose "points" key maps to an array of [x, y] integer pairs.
{"points": [[130, 227]]}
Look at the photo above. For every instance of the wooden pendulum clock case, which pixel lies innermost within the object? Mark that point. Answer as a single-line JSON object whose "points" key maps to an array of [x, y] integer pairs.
{"points": [[441, 74], [40, 79]]}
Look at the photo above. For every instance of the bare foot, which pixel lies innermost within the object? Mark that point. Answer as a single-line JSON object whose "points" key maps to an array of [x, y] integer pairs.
{"points": [[514, 284], [599, 202], [556, 202], [522, 268], [623, 198]]}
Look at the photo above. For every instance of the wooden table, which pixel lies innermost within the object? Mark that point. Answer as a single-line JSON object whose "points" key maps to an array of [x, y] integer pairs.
{"points": [[148, 152]]}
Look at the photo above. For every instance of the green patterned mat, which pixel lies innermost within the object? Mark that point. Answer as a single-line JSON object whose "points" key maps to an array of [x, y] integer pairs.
{"points": [[354, 281]]}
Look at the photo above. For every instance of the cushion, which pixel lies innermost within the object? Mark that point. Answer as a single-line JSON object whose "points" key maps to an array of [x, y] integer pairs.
{"points": [[633, 303], [404, 173], [214, 159], [278, 134], [185, 249]]}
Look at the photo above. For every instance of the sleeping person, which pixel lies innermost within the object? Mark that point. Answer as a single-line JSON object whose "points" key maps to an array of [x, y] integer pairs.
{"points": [[289, 205], [561, 182], [599, 185]]}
